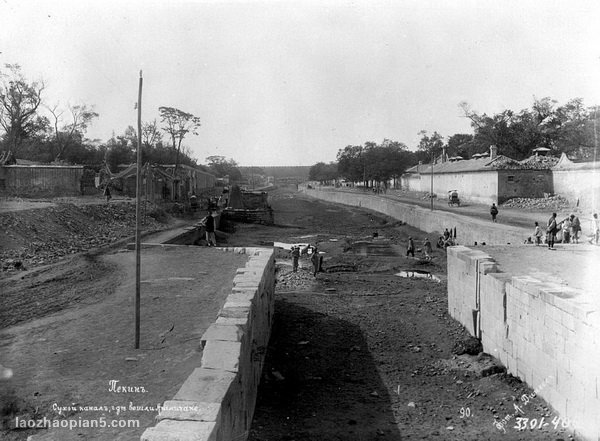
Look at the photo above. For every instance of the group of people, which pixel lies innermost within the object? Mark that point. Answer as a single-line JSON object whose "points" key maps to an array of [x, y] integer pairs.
{"points": [[427, 249], [315, 258], [569, 228]]}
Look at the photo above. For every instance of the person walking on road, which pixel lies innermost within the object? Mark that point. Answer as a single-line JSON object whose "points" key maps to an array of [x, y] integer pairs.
{"points": [[551, 231], [595, 229], [494, 212], [411, 247]]}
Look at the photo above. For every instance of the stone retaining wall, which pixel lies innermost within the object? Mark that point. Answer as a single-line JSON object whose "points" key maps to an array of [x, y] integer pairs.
{"points": [[216, 402], [544, 332], [468, 230]]}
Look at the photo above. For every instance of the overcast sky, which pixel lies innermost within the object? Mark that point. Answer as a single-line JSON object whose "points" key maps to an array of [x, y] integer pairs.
{"points": [[290, 83]]}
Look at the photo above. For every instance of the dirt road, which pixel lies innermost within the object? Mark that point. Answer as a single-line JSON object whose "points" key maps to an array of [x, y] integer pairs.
{"points": [[507, 215], [66, 332]]}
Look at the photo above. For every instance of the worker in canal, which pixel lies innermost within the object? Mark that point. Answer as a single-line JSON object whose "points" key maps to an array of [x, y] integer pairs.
{"points": [[411, 247], [427, 249], [316, 260], [209, 226], [295, 257]]}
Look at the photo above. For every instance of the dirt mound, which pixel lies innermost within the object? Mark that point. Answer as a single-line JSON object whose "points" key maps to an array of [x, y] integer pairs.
{"points": [[43, 235]]}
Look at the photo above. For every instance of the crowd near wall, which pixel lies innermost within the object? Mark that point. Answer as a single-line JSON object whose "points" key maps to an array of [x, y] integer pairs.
{"points": [[50, 180], [468, 230], [217, 400], [543, 332]]}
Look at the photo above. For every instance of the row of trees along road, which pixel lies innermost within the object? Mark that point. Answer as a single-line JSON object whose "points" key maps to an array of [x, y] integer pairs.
{"points": [[43, 132], [571, 128]]}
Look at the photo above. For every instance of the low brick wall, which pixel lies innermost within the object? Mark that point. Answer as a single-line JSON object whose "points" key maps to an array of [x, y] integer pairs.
{"points": [[217, 400], [36, 180], [544, 332], [469, 230]]}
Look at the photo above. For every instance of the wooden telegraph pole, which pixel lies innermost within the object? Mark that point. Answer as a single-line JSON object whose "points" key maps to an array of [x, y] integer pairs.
{"points": [[138, 218], [431, 192]]}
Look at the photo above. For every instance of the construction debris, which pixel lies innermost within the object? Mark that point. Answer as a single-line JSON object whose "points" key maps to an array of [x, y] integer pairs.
{"points": [[550, 203]]}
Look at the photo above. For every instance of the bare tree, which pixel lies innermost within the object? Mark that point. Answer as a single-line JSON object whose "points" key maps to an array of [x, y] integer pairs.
{"points": [[177, 125], [19, 102], [151, 134], [80, 117]]}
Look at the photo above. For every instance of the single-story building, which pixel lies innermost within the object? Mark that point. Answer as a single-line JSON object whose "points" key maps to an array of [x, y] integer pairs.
{"points": [[483, 179], [41, 179], [160, 183]]}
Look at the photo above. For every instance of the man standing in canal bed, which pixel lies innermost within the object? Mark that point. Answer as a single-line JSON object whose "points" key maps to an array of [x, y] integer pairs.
{"points": [[295, 257], [209, 226], [411, 247], [316, 261]]}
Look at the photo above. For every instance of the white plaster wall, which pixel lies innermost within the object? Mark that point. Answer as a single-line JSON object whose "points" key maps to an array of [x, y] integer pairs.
{"points": [[578, 184], [480, 187], [411, 182]]}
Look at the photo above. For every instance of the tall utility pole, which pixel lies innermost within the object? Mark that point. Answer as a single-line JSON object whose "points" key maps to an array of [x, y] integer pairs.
{"points": [[431, 192], [138, 218], [595, 156]]}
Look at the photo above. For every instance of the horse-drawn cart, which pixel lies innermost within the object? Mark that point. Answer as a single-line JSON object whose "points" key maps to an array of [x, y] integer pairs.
{"points": [[453, 198]]}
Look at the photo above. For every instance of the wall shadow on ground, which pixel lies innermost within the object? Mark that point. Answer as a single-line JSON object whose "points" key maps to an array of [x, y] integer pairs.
{"points": [[320, 382]]}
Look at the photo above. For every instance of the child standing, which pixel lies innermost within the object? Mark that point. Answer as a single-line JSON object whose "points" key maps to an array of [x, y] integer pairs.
{"points": [[537, 233]]}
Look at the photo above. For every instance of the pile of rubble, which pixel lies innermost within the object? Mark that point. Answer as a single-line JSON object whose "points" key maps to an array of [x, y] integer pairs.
{"points": [[539, 162], [550, 203], [531, 163], [504, 162], [287, 280], [44, 235]]}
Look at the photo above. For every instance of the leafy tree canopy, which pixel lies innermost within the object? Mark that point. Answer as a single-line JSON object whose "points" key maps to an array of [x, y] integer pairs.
{"points": [[323, 172], [19, 103], [221, 167]]}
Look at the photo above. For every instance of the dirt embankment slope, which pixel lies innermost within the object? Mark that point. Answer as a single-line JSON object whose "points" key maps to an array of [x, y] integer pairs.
{"points": [[38, 236]]}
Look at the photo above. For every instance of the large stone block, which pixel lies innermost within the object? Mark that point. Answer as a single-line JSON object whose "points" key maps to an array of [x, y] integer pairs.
{"points": [[223, 332], [233, 321], [206, 386], [238, 312], [223, 355]]}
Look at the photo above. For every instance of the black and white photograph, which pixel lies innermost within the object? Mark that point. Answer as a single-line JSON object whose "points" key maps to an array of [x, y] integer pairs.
{"points": [[299, 220]]}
